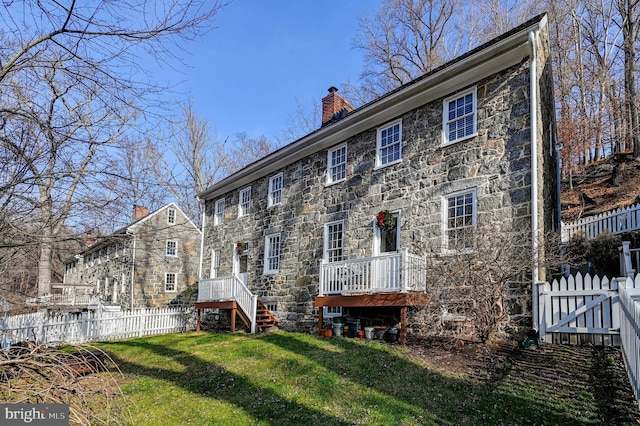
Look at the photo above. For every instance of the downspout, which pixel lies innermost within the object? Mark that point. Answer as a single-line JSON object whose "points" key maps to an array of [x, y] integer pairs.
{"points": [[133, 266], [533, 108], [201, 239]]}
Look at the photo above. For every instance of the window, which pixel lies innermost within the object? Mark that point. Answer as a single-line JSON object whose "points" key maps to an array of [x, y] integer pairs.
{"points": [[271, 253], [170, 282], [215, 263], [459, 117], [337, 164], [460, 221], [244, 202], [332, 311], [172, 248], [389, 143], [333, 241], [171, 216], [218, 215], [275, 190]]}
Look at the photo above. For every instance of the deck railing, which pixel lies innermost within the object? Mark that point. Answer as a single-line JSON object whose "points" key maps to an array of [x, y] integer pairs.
{"points": [[387, 273], [62, 300], [231, 287]]}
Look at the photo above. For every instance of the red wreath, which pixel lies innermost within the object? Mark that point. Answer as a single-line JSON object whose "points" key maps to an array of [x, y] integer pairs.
{"points": [[385, 220]]}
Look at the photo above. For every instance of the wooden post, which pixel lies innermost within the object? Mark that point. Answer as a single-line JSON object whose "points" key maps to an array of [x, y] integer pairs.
{"points": [[403, 325], [233, 320], [320, 318], [198, 323]]}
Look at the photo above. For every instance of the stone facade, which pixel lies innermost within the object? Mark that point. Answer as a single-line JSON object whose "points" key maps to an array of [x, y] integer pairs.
{"points": [[146, 264], [494, 164]]}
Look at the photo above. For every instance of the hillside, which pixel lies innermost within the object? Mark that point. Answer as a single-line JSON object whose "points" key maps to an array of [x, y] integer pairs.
{"points": [[604, 185]]}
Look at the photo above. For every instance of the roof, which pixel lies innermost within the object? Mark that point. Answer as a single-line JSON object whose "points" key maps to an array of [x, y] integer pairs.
{"points": [[119, 233], [499, 53]]}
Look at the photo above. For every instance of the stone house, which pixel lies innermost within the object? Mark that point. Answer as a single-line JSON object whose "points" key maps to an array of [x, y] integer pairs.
{"points": [[147, 263], [340, 221]]}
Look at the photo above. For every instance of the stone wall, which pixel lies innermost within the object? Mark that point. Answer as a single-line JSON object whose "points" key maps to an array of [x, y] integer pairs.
{"points": [[496, 163]]}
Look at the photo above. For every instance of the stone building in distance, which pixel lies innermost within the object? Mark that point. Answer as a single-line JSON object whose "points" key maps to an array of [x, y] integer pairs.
{"points": [[341, 221], [147, 263]]}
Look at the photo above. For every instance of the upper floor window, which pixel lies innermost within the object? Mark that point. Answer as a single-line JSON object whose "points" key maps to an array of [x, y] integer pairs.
{"points": [[275, 190], [459, 117], [170, 282], [271, 253], [172, 248], [333, 241], [460, 221], [389, 144], [171, 216], [216, 254], [244, 202], [218, 215], [337, 164]]}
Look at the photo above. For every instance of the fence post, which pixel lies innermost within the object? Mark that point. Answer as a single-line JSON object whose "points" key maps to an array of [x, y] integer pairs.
{"points": [[626, 268], [543, 299]]}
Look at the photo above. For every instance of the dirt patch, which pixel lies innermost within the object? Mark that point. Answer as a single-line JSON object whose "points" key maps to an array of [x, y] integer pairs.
{"points": [[568, 371]]}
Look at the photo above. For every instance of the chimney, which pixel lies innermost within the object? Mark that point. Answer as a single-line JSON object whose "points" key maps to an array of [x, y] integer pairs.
{"points": [[139, 212], [334, 107]]}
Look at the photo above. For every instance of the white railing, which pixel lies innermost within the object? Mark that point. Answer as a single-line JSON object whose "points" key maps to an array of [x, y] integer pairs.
{"points": [[93, 325], [62, 300], [232, 287], [387, 273], [615, 221], [629, 293]]}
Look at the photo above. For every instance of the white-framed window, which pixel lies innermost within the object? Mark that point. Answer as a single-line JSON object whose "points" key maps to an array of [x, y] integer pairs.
{"points": [[116, 250], [171, 216], [460, 218], [389, 144], [332, 311], [170, 282], [459, 117], [218, 212], [272, 254], [337, 164], [244, 202], [216, 253], [275, 190], [334, 241], [172, 248]]}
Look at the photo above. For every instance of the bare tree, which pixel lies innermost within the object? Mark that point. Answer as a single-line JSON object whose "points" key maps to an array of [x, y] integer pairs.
{"points": [[246, 150], [68, 76], [192, 162], [630, 24]]}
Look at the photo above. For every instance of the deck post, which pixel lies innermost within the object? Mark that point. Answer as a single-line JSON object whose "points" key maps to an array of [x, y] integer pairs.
{"points": [[320, 318], [403, 325], [198, 323], [233, 320]]}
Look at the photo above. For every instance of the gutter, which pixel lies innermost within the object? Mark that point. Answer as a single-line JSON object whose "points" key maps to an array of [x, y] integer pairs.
{"points": [[533, 108]]}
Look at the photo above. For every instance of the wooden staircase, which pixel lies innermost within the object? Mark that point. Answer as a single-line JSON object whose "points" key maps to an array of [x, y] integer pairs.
{"points": [[264, 317]]}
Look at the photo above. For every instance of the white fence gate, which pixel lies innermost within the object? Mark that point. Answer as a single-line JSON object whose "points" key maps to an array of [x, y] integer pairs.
{"points": [[93, 325], [579, 309], [597, 310]]}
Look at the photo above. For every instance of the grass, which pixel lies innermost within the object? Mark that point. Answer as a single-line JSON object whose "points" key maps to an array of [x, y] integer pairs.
{"points": [[286, 378]]}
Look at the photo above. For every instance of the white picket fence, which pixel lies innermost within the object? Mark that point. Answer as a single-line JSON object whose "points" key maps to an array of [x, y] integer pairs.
{"points": [[615, 221], [91, 326], [584, 309]]}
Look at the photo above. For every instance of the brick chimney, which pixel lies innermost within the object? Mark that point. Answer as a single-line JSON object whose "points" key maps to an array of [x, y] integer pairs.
{"points": [[139, 212], [334, 106]]}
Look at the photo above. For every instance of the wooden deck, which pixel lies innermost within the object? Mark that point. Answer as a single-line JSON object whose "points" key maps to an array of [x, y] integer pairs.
{"points": [[230, 305], [400, 300]]}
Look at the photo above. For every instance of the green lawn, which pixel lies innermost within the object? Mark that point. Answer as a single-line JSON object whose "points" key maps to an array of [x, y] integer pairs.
{"points": [[297, 379]]}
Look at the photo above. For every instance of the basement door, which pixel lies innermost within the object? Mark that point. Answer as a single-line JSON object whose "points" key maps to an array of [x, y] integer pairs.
{"points": [[386, 269]]}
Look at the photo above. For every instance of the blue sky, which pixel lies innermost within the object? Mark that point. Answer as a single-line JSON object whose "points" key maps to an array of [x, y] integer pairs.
{"points": [[266, 56]]}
